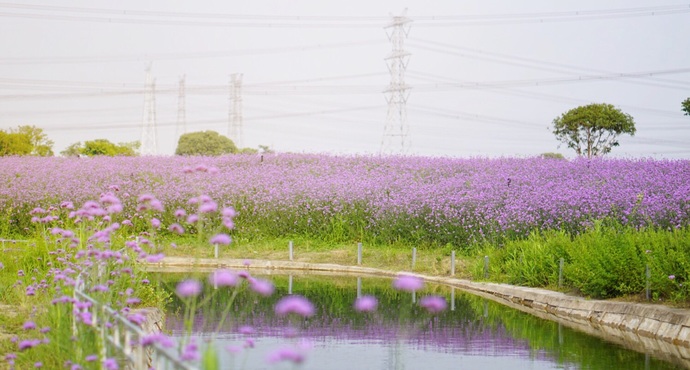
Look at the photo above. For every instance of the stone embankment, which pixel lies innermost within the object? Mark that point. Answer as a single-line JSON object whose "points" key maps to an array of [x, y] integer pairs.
{"points": [[656, 329]]}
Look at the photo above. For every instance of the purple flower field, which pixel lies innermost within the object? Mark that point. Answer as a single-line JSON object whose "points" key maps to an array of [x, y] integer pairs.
{"points": [[373, 199]]}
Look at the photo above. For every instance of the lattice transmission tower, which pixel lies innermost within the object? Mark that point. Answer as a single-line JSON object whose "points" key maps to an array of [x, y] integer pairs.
{"points": [[395, 133], [235, 126], [181, 125], [149, 143]]}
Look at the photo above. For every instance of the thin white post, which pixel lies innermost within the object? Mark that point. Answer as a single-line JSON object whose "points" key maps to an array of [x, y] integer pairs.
{"points": [[359, 253], [359, 287], [215, 250], [452, 263], [290, 249], [290, 284], [414, 257]]}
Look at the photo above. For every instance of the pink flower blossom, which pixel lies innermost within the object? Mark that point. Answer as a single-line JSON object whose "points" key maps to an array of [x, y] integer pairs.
{"points": [[433, 304], [223, 278], [189, 288], [366, 303], [408, 283], [295, 304]]}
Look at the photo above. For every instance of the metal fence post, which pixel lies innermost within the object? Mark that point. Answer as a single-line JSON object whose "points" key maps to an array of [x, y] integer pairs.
{"points": [[452, 263]]}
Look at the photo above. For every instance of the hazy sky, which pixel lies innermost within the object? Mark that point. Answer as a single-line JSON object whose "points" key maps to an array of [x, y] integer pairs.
{"points": [[486, 77]]}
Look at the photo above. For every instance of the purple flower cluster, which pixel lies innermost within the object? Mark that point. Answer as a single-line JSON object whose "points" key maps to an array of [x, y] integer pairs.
{"points": [[440, 199]]}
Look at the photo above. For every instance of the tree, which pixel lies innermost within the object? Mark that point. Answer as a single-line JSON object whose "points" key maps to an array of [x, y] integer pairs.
{"points": [[686, 106], [73, 150], [12, 143], [41, 145], [102, 147], [208, 143], [592, 129], [552, 156]]}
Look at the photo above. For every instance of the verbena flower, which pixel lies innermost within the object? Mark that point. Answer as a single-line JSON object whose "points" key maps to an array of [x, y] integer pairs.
{"points": [[228, 212], [433, 304], [223, 278], [137, 318], [29, 343], [190, 352], [408, 283], [263, 287], [366, 303], [295, 304], [189, 288], [246, 329], [29, 325], [110, 364], [285, 354], [153, 258], [222, 239], [161, 338], [208, 207], [176, 228]]}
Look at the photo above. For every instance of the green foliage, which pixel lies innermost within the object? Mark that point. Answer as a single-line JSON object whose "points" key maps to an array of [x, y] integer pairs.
{"points": [[593, 129], [265, 149], [102, 147], [247, 151], [25, 140], [686, 106], [608, 260], [552, 156], [41, 145], [14, 144], [208, 143]]}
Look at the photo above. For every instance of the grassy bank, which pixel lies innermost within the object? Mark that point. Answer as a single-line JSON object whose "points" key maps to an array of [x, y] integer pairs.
{"points": [[608, 260]]}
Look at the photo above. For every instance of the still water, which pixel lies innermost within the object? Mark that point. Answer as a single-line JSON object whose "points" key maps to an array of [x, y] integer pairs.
{"points": [[472, 333]]}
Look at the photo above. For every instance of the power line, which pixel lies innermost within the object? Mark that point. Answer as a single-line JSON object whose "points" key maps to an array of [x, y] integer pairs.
{"points": [[529, 62], [180, 56], [167, 18], [539, 96]]}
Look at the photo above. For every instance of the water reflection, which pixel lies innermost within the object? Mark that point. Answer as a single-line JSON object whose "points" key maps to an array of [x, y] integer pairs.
{"points": [[472, 333]]}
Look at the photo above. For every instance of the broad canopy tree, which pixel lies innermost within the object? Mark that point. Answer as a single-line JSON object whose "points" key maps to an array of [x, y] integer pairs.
{"points": [[593, 130], [686, 106], [208, 143], [102, 147], [25, 140], [14, 144]]}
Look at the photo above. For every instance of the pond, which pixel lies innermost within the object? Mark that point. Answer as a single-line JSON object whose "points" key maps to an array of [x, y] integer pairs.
{"points": [[471, 333]]}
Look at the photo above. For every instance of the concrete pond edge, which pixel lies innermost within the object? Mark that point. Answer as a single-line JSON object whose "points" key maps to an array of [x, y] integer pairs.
{"points": [[656, 329]]}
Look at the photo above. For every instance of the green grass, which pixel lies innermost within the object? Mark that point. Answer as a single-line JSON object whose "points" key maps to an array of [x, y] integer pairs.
{"points": [[606, 261]]}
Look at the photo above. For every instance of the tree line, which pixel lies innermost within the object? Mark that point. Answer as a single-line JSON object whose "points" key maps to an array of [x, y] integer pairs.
{"points": [[590, 130]]}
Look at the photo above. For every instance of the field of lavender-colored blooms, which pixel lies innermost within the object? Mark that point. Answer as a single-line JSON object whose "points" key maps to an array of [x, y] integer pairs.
{"points": [[432, 201]]}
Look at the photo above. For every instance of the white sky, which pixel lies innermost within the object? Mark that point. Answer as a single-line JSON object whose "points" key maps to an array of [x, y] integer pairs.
{"points": [[77, 70]]}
